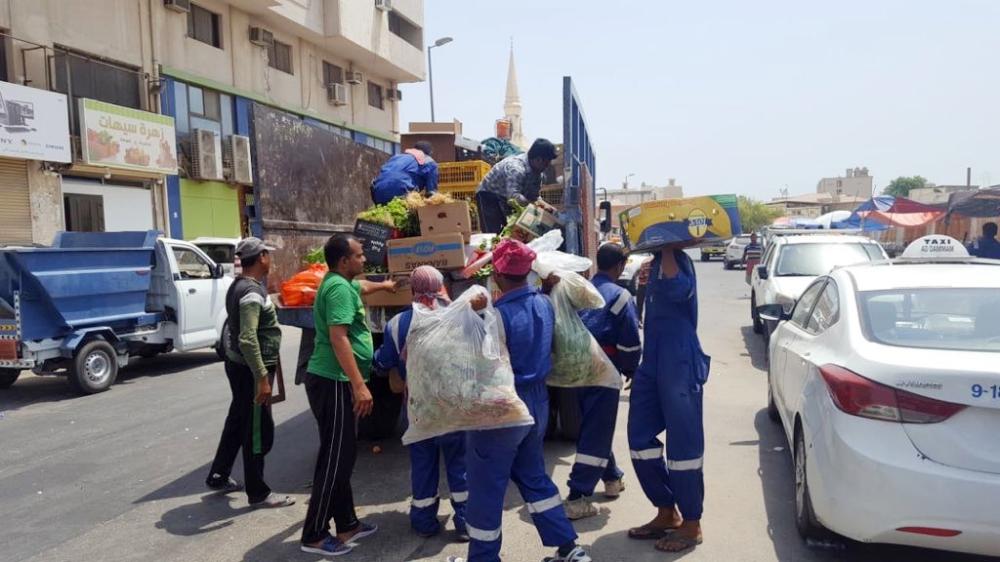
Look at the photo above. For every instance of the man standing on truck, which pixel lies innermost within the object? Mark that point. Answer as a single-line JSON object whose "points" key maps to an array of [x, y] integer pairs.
{"points": [[515, 177], [616, 329], [413, 170], [252, 343]]}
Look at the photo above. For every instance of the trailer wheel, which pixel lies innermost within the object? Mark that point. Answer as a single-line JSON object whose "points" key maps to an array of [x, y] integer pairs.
{"points": [[7, 377], [95, 367]]}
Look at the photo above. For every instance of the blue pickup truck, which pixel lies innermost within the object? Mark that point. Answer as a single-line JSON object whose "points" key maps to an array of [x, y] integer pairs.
{"points": [[84, 306]]}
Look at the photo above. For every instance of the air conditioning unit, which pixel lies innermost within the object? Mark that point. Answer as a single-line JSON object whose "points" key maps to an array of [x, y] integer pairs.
{"points": [[394, 95], [352, 77], [179, 6], [261, 37], [336, 93], [206, 155], [236, 157], [384, 5]]}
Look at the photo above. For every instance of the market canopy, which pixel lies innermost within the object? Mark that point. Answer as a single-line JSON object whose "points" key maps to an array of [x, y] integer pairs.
{"points": [[897, 211], [981, 203]]}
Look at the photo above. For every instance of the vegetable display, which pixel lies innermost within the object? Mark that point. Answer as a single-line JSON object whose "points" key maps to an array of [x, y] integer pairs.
{"points": [[396, 214]]}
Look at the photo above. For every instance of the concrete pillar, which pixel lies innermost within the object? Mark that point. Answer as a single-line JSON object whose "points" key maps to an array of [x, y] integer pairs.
{"points": [[45, 192]]}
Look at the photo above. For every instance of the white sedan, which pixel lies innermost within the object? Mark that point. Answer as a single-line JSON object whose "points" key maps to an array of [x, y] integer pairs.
{"points": [[885, 379]]}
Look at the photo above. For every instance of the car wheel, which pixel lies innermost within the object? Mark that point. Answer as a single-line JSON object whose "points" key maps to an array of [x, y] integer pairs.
{"points": [[805, 517], [772, 408], [95, 367], [7, 377], [758, 324]]}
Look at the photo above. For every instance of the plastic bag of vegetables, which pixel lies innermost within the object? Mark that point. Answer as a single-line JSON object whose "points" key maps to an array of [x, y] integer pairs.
{"points": [[577, 358], [458, 372]]}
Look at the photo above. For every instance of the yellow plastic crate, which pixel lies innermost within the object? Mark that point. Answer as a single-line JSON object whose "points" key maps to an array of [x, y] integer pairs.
{"points": [[458, 176]]}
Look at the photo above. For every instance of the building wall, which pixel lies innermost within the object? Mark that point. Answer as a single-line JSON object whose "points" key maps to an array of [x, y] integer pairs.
{"points": [[210, 209], [854, 187], [46, 204], [125, 208]]}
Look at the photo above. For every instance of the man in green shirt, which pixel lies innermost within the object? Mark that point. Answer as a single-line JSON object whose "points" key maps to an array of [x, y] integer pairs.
{"points": [[252, 340], [338, 395]]}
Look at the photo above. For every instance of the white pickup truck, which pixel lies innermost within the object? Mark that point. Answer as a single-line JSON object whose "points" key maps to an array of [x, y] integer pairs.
{"points": [[87, 304]]}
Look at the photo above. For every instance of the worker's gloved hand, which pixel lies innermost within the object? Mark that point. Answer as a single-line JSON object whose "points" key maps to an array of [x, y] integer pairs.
{"points": [[520, 199]]}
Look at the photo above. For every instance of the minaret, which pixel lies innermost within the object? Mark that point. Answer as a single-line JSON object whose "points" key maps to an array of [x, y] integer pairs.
{"points": [[512, 104]]}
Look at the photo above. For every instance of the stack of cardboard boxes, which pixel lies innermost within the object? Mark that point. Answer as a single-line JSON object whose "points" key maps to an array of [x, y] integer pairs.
{"points": [[444, 231]]}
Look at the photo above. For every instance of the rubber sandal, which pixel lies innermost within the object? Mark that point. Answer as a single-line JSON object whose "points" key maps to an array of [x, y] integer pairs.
{"points": [[684, 543], [273, 501], [647, 533]]}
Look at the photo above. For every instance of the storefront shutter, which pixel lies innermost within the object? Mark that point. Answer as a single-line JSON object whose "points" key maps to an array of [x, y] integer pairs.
{"points": [[15, 203]]}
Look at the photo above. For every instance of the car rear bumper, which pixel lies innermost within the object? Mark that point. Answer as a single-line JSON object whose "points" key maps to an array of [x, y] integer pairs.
{"points": [[867, 481]]}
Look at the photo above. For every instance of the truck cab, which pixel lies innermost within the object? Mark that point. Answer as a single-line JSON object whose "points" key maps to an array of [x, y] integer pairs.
{"points": [[84, 306]]}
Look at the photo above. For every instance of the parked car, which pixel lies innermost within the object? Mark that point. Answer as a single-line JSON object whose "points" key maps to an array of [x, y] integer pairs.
{"points": [[713, 250], [222, 251], [734, 252], [86, 305], [883, 377], [791, 263]]}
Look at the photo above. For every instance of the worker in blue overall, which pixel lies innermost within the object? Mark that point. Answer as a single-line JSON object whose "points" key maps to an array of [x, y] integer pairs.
{"points": [[616, 329], [667, 396], [427, 285], [412, 170], [498, 456]]}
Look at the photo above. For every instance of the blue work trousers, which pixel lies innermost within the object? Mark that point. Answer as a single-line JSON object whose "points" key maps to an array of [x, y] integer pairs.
{"points": [[497, 456], [668, 401], [594, 459], [425, 459]]}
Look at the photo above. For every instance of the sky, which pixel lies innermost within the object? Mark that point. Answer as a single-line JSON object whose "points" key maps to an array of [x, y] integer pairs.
{"points": [[734, 96]]}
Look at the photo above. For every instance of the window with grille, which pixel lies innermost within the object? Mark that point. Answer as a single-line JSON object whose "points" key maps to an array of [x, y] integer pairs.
{"points": [[203, 26], [279, 56]]}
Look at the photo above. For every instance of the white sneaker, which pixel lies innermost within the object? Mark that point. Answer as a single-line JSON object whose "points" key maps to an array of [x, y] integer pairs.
{"points": [[455, 559], [614, 488], [576, 555], [579, 508]]}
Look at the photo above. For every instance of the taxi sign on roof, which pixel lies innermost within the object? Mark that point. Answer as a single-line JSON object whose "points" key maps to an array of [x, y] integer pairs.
{"points": [[935, 246]]}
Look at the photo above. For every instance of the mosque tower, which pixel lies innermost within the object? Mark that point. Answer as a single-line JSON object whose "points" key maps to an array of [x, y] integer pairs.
{"points": [[512, 104]]}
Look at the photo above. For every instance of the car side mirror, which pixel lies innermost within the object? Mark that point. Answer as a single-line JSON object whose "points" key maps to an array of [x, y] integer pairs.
{"points": [[605, 208], [218, 272], [762, 271], [773, 313]]}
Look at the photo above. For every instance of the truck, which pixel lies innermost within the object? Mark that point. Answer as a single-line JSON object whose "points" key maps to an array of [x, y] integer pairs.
{"points": [[85, 306]]}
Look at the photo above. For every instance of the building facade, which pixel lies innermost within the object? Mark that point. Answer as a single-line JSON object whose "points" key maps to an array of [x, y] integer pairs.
{"points": [[201, 67], [856, 182]]}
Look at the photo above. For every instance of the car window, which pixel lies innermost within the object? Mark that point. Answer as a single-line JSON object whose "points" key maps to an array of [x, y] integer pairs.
{"points": [[814, 259], [827, 310], [767, 259], [220, 253], [939, 318], [875, 252], [191, 265], [800, 315]]}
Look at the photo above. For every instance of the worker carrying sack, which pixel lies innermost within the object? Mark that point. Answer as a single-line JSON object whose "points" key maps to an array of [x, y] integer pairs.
{"points": [[458, 373], [577, 358]]}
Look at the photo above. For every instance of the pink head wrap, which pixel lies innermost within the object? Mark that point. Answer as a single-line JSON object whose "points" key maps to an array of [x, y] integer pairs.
{"points": [[512, 257], [427, 285]]}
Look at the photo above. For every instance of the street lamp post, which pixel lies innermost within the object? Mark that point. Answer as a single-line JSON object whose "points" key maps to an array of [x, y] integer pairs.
{"points": [[430, 69], [625, 183]]}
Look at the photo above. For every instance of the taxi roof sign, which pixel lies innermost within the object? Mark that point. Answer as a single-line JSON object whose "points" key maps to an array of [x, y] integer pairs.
{"points": [[935, 247]]}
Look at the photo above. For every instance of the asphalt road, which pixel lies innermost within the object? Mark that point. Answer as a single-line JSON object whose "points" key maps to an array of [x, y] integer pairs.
{"points": [[119, 475]]}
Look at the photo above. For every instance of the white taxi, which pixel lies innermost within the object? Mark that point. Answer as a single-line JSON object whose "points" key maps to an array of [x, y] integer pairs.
{"points": [[884, 377]]}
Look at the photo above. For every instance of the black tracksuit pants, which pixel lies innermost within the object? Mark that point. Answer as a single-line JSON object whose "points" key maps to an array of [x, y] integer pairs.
{"points": [[332, 404], [249, 427]]}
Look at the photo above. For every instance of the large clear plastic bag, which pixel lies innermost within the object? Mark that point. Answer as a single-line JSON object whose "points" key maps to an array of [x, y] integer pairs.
{"points": [[549, 259], [577, 358], [459, 376]]}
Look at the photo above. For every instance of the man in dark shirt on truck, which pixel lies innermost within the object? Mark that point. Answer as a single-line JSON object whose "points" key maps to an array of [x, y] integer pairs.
{"points": [[252, 340]]}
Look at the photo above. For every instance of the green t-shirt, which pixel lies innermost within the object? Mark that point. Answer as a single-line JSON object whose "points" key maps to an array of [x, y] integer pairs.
{"points": [[338, 303]]}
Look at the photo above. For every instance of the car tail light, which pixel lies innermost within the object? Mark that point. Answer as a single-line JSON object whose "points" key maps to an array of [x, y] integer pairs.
{"points": [[859, 396], [930, 531]]}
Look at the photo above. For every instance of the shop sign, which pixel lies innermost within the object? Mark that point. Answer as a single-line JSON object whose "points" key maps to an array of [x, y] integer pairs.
{"points": [[122, 137], [34, 124]]}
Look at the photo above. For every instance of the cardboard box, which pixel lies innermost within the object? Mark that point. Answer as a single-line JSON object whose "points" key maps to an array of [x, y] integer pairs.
{"points": [[443, 251], [535, 221], [401, 298], [445, 219], [655, 224]]}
